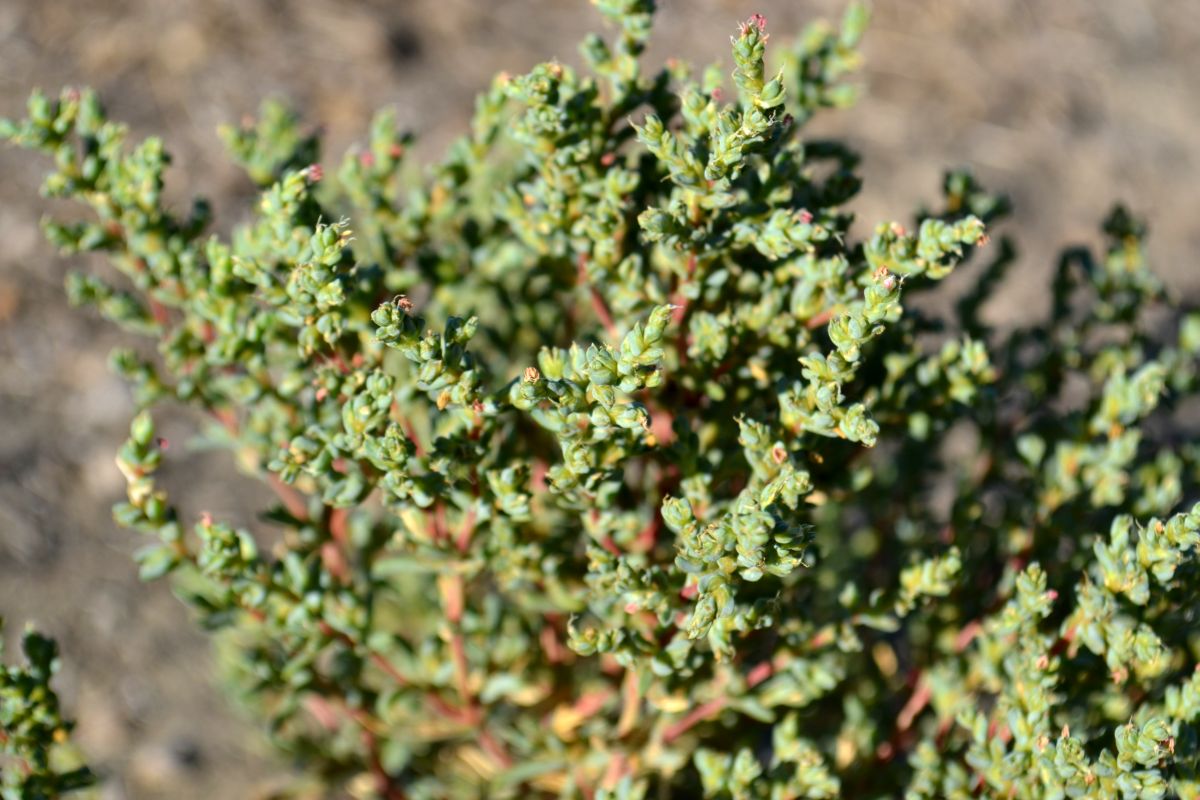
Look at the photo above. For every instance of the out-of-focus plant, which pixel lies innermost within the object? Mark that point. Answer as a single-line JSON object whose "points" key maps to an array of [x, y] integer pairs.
{"points": [[36, 761], [608, 461]]}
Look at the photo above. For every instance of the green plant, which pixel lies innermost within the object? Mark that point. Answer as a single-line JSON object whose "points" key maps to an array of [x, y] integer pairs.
{"points": [[608, 463], [35, 762]]}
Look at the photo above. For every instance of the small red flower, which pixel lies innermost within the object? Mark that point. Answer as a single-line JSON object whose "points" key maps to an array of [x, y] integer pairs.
{"points": [[757, 22]]}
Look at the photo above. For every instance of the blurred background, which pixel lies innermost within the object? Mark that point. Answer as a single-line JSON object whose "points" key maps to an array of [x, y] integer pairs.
{"points": [[1066, 106]]}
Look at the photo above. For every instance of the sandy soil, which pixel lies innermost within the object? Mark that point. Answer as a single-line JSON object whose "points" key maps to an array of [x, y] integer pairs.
{"points": [[1065, 105]]}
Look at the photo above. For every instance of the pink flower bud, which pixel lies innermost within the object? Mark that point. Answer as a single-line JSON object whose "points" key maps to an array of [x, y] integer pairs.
{"points": [[757, 22]]}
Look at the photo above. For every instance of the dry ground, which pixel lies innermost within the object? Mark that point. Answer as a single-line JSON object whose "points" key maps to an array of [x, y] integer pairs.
{"points": [[1066, 105]]}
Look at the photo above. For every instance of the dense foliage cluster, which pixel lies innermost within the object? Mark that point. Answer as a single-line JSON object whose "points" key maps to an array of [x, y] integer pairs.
{"points": [[36, 762], [608, 461]]}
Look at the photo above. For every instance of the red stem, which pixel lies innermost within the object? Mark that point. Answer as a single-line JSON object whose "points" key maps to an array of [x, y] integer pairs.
{"points": [[649, 534], [383, 781], [411, 432], [711, 708], [493, 748], [292, 500], [819, 319], [598, 304], [468, 530], [438, 522]]}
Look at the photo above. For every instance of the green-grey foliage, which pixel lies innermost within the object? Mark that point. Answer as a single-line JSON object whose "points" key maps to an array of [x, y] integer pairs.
{"points": [[610, 460], [36, 762]]}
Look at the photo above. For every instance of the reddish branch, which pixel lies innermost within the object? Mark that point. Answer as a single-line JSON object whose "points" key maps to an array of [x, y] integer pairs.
{"points": [[377, 658], [337, 526], [292, 500], [333, 552], [618, 768], [662, 424], [458, 652], [493, 748], [967, 635], [411, 432], [389, 668], [451, 588], [552, 648], [335, 563], [337, 361], [160, 312], [819, 319], [711, 708], [680, 300], [915, 705], [326, 715], [598, 303], [537, 475], [438, 522], [463, 540], [649, 534], [383, 782]]}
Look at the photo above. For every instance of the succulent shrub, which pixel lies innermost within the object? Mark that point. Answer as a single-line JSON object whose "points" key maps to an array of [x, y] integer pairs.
{"points": [[607, 458], [36, 760]]}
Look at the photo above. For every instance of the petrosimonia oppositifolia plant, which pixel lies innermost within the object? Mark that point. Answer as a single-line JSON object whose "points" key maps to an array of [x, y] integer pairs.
{"points": [[608, 459], [36, 761]]}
